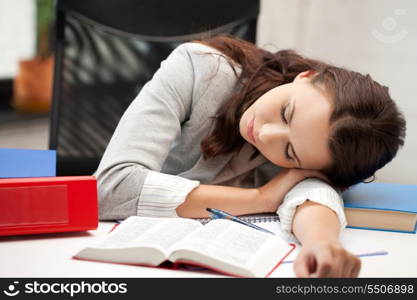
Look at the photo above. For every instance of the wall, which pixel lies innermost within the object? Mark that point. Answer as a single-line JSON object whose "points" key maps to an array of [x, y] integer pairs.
{"points": [[17, 39]]}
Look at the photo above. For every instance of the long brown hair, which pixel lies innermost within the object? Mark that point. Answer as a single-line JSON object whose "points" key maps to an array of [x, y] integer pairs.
{"points": [[367, 128]]}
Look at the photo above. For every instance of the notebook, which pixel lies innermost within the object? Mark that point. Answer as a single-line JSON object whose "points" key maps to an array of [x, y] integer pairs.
{"points": [[252, 218], [382, 206]]}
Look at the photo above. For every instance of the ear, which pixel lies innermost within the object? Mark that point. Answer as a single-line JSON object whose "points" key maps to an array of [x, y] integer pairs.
{"points": [[305, 76]]}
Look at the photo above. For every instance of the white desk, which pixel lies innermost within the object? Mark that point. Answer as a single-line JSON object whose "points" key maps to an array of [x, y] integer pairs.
{"points": [[50, 256]]}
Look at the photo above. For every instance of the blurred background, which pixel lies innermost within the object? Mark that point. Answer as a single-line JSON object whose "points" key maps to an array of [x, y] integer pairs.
{"points": [[378, 37]]}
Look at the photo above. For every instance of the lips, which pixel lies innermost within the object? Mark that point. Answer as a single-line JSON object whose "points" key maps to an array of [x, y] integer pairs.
{"points": [[250, 130]]}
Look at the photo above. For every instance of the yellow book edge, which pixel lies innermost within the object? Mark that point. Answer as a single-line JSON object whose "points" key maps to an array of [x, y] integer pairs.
{"points": [[380, 219]]}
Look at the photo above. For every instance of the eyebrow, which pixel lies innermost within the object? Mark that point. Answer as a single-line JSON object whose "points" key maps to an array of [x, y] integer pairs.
{"points": [[292, 147]]}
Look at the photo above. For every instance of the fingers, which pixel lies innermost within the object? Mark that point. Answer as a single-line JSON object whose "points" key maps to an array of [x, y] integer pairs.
{"points": [[325, 265], [351, 265], [356, 268], [305, 265], [338, 263], [326, 261]]}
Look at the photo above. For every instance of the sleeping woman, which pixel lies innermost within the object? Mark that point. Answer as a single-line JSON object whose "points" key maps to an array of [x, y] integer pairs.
{"points": [[226, 124]]}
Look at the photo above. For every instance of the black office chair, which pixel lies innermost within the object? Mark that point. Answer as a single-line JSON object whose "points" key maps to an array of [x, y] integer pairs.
{"points": [[105, 51]]}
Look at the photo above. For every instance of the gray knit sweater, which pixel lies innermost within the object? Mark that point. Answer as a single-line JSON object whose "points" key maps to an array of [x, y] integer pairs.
{"points": [[154, 160]]}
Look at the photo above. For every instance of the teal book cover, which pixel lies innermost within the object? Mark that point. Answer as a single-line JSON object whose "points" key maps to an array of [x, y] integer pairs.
{"points": [[389, 197], [17, 163]]}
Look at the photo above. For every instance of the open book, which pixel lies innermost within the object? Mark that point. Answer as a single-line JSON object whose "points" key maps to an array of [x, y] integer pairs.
{"points": [[221, 245]]}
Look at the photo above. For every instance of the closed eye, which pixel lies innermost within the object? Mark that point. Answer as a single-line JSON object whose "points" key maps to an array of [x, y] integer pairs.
{"points": [[283, 111], [287, 151]]}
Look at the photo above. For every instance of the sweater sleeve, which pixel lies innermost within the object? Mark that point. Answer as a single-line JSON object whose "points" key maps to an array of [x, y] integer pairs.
{"points": [[314, 190], [128, 177]]}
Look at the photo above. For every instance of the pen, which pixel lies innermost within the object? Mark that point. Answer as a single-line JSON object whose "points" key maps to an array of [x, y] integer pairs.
{"points": [[219, 214]]}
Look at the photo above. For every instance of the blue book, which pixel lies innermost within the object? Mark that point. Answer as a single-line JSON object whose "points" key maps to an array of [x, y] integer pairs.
{"points": [[16, 163], [382, 206]]}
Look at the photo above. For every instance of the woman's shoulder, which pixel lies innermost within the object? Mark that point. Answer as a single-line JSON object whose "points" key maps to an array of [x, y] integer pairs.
{"points": [[195, 47], [205, 58], [214, 75], [198, 50]]}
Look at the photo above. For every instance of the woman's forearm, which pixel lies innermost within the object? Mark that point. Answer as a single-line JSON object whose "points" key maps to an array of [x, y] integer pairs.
{"points": [[317, 227], [314, 222], [234, 200]]}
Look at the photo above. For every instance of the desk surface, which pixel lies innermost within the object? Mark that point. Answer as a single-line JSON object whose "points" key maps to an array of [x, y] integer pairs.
{"points": [[51, 256]]}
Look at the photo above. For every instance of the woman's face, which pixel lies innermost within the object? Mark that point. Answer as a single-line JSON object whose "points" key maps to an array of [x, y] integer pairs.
{"points": [[289, 124]]}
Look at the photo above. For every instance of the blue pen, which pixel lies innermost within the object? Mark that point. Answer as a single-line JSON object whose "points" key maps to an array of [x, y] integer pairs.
{"points": [[219, 214]]}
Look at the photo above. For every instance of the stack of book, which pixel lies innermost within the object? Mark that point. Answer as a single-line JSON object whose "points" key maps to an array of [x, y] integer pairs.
{"points": [[34, 200]]}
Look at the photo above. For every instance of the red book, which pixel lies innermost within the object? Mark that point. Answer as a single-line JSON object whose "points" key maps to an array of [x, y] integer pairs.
{"points": [[48, 204]]}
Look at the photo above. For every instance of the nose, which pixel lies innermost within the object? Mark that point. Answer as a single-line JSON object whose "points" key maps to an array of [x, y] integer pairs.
{"points": [[270, 133]]}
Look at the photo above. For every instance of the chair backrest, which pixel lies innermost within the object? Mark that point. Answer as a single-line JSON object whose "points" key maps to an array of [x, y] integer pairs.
{"points": [[105, 51]]}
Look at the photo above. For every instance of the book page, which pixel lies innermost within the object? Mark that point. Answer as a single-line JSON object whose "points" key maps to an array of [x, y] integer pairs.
{"points": [[140, 240], [168, 233], [226, 240], [160, 233]]}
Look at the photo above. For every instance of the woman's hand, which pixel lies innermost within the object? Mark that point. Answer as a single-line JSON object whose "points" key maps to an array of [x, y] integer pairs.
{"points": [[326, 259], [273, 192]]}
